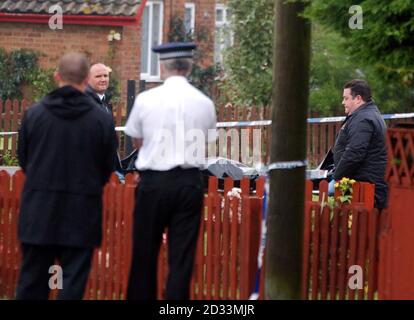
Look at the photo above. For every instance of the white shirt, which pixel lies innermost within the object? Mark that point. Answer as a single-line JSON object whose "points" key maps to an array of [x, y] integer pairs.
{"points": [[175, 121]]}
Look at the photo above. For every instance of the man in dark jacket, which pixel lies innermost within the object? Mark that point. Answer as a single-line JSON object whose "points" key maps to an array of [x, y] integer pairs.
{"points": [[98, 84], [360, 149], [66, 146]]}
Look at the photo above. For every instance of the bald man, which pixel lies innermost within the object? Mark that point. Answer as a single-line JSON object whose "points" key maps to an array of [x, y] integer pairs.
{"points": [[65, 148], [98, 84]]}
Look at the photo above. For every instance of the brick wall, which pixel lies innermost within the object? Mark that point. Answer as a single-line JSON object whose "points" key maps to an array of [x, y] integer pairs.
{"points": [[205, 22], [91, 40], [129, 57]]}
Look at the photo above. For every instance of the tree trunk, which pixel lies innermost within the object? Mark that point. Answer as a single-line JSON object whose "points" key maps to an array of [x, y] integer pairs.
{"points": [[290, 106]]}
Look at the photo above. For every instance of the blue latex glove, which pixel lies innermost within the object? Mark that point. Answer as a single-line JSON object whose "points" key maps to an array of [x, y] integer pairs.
{"points": [[121, 177], [331, 188]]}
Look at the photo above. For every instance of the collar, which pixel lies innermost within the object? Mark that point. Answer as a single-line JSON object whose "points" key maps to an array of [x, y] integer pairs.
{"points": [[363, 106], [176, 79]]}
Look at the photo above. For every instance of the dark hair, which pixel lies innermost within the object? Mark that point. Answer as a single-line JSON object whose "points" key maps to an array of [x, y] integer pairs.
{"points": [[73, 67], [181, 64], [359, 88]]}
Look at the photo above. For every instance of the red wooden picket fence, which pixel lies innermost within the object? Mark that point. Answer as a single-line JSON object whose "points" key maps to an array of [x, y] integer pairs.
{"points": [[400, 169], [320, 137], [11, 114], [336, 239], [226, 259], [10, 191], [110, 266], [226, 254], [396, 276], [109, 273], [231, 113]]}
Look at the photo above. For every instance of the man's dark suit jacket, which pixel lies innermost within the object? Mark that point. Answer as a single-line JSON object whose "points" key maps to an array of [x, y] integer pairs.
{"points": [[104, 103]]}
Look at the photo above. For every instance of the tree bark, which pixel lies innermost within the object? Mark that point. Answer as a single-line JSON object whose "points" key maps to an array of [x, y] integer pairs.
{"points": [[287, 186]]}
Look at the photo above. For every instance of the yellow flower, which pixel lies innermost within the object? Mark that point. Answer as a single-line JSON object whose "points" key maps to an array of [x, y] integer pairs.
{"points": [[352, 181], [344, 180], [87, 9], [337, 185]]}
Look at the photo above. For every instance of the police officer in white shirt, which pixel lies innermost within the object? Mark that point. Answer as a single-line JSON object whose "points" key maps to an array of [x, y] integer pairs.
{"points": [[171, 125]]}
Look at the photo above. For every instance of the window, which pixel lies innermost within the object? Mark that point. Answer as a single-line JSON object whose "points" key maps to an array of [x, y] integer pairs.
{"points": [[189, 18], [152, 19], [223, 37]]}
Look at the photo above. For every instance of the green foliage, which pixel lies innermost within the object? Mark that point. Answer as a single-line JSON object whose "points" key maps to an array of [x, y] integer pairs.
{"points": [[330, 69], [20, 67], [346, 189], [177, 31], [336, 57], [14, 67], [201, 77], [248, 64], [386, 40], [204, 78], [332, 66], [8, 160], [114, 88], [41, 82]]}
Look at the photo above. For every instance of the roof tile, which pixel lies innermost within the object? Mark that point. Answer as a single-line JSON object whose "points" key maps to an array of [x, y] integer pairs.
{"points": [[127, 8]]}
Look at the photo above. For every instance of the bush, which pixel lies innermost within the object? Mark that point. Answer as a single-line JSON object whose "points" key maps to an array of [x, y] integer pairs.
{"points": [[8, 160]]}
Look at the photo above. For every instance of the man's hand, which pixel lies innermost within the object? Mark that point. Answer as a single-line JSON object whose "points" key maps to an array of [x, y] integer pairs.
{"points": [[136, 177]]}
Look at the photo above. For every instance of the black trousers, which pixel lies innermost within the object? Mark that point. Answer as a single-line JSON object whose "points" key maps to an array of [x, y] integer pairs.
{"points": [[169, 199], [33, 283]]}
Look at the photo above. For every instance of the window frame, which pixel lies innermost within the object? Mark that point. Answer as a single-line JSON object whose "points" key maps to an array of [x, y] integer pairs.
{"points": [[221, 25], [220, 6], [192, 7], [147, 76]]}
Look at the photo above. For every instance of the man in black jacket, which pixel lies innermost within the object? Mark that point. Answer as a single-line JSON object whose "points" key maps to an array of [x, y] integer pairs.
{"points": [[360, 149], [98, 84], [66, 146]]}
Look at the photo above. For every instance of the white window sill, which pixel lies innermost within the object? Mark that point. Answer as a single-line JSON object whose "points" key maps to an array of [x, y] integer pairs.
{"points": [[151, 79]]}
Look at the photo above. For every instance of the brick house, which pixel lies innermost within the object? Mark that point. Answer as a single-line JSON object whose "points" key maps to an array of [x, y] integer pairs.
{"points": [[86, 26]]}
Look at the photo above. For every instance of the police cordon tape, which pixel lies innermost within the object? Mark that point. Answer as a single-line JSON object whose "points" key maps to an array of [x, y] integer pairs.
{"points": [[385, 116], [262, 245], [10, 133], [269, 122], [281, 165], [287, 165], [257, 123]]}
